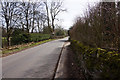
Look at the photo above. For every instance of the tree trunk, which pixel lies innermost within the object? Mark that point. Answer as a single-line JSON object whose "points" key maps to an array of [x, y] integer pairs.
{"points": [[38, 26], [7, 25], [32, 30], [22, 27], [33, 18], [27, 27], [53, 30], [8, 41], [32, 25], [48, 20]]}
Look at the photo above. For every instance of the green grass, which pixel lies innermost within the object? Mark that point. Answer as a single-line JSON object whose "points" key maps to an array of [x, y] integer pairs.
{"points": [[5, 51]]}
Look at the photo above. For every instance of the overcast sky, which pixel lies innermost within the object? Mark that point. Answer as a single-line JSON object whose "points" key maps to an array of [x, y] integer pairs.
{"points": [[74, 8]]}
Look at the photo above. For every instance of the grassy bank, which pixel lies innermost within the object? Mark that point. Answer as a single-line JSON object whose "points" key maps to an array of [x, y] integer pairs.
{"points": [[97, 62]]}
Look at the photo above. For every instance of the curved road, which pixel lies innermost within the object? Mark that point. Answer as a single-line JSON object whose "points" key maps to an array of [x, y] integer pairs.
{"points": [[36, 62]]}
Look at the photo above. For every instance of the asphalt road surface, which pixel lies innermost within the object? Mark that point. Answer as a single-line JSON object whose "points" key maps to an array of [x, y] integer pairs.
{"points": [[36, 62]]}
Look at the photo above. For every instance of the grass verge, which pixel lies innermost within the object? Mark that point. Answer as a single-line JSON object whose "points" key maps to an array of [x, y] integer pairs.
{"points": [[17, 48]]}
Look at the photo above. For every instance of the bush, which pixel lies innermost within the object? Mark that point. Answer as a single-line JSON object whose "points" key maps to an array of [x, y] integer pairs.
{"points": [[99, 63], [60, 33], [35, 37], [26, 37], [17, 31], [4, 42], [20, 38]]}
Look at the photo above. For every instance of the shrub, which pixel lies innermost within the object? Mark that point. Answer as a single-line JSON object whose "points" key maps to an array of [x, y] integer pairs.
{"points": [[28, 37], [4, 42], [17, 31], [20, 38], [35, 37], [60, 33]]}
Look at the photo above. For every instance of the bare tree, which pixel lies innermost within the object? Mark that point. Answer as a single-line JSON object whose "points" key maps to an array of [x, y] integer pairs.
{"points": [[47, 13], [55, 9], [41, 19], [26, 14], [33, 16], [38, 16], [8, 10]]}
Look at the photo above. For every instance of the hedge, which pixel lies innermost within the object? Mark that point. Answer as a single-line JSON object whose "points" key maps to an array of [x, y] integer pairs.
{"points": [[96, 62], [28, 37], [35, 37], [4, 42], [20, 38]]}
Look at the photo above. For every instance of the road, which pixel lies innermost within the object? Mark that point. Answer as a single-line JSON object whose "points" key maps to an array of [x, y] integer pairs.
{"points": [[36, 62]]}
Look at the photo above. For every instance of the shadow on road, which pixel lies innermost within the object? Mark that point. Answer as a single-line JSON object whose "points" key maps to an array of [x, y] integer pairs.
{"points": [[63, 40]]}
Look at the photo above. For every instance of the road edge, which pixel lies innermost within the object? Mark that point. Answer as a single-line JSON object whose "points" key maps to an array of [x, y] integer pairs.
{"points": [[56, 71]]}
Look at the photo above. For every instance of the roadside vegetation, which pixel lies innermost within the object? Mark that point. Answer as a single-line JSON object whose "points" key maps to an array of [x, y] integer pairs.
{"points": [[23, 40], [26, 24], [17, 48], [95, 39]]}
